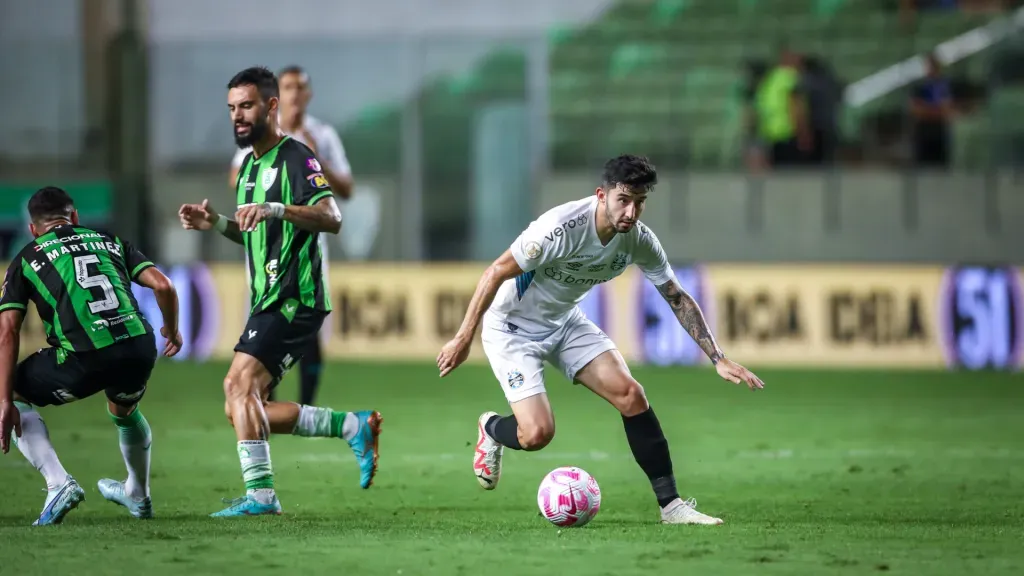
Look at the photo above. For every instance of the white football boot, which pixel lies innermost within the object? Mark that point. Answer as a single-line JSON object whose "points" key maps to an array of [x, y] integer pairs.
{"points": [[685, 512], [487, 458]]}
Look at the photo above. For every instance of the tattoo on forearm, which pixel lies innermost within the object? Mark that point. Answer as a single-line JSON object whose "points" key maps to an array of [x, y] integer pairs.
{"points": [[691, 318]]}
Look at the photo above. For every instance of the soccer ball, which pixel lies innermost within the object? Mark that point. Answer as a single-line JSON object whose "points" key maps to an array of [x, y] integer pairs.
{"points": [[568, 496]]}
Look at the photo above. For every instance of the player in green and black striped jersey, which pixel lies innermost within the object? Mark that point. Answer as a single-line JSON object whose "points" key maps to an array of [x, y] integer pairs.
{"points": [[284, 203], [79, 281]]}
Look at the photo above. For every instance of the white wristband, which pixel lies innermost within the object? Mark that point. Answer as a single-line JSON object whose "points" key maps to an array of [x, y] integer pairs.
{"points": [[221, 225], [276, 209]]}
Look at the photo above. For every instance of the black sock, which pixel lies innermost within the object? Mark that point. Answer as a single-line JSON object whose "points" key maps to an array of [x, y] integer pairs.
{"points": [[309, 374], [650, 448], [505, 430]]}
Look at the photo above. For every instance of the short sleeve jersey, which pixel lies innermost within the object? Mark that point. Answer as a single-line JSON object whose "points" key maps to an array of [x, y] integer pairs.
{"points": [[562, 258], [285, 262], [79, 281]]}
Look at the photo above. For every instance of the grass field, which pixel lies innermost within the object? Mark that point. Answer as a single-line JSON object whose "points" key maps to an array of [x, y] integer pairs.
{"points": [[820, 473]]}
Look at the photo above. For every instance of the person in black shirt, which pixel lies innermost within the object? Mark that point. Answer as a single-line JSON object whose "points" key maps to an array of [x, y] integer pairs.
{"points": [[931, 106], [79, 281], [284, 202]]}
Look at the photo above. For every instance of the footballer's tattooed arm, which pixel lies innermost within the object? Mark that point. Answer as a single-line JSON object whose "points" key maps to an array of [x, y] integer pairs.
{"points": [[691, 318], [324, 216]]}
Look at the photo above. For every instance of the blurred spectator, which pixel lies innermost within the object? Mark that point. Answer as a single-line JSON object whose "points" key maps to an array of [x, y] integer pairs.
{"points": [[824, 95], [754, 153], [931, 107], [782, 113]]}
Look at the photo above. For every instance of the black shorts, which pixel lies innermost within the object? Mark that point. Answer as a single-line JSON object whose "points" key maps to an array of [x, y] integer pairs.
{"points": [[279, 340], [55, 376]]}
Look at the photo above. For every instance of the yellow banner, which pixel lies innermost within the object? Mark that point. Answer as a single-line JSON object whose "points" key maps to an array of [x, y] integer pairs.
{"points": [[882, 316], [854, 316]]}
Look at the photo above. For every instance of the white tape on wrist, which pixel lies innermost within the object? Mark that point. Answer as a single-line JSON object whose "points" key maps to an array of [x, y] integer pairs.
{"points": [[276, 209], [221, 225]]}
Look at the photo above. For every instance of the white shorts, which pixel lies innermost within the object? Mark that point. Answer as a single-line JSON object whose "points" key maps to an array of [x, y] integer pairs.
{"points": [[518, 361]]}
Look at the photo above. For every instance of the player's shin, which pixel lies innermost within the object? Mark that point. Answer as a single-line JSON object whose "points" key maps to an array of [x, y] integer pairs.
{"points": [[505, 431], [135, 438], [650, 448], [35, 445]]}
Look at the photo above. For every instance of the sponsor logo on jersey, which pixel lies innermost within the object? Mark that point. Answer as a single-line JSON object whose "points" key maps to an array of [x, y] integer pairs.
{"points": [[269, 176], [574, 266], [3, 290], [532, 250], [564, 227], [595, 267], [313, 165], [566, 278], [515, 379], [271, 270], [318, 180]]}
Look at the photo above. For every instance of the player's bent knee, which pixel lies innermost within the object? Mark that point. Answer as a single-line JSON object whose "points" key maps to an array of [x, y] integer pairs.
{"points": [[239, 384], [631, 400], [535, 437]]}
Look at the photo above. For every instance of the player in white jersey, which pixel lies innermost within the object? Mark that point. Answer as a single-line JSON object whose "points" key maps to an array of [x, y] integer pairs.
{"points": [[527, 301], [323, 140]]}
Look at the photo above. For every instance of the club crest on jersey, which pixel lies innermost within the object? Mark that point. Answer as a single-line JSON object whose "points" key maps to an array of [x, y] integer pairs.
{"points": [[313, 165], [532, 250], [515, 379], [318, 180], [269, 176], [620, 262]]}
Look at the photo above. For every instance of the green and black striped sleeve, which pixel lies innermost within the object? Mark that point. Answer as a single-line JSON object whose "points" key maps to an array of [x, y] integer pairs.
{"points": [[14, 294], [308, 183], [134, 259]]}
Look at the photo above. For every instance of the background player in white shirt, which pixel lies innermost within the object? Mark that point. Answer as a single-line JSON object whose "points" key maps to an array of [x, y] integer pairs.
{"points": [[527, 301], [323, 140]]}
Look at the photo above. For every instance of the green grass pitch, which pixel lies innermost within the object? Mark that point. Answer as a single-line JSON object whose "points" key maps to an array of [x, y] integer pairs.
{"points": [[820, 473]]}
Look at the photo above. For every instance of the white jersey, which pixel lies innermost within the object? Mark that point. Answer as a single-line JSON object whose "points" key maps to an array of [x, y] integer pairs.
{"points": [[562, 259]]}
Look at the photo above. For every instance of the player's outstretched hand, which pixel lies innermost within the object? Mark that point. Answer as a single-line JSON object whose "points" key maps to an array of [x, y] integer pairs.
{"points": [[452, 355], [735, 373], [197, 216], [10, 419], [173, 345]]}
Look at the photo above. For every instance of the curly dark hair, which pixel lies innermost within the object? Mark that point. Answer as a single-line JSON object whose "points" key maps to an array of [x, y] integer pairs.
{"points": [[635, 173]]}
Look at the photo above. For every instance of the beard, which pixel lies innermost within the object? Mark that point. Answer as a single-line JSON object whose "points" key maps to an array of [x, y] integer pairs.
{"points": [[256, 133], [620, 226]]}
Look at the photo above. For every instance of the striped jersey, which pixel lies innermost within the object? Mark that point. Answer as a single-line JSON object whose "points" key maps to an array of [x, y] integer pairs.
{"points": [[285, 262], [80, 283]]}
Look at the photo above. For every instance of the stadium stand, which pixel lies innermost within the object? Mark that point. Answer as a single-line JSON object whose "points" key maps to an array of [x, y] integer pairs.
{"points": [[662, 76]]}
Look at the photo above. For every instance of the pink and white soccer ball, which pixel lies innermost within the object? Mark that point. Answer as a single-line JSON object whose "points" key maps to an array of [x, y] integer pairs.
{"points": [[569, 497]]}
